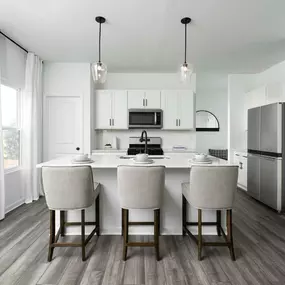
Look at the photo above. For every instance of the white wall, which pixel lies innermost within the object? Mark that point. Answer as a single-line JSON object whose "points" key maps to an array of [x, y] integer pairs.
{"points": [[212, 95], [238, 86], [158, 81], [14, 195]]}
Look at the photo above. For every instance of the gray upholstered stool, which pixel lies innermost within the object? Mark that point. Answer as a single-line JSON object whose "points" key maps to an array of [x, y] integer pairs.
{"points": [[70, 188], [140, 187], [210, 188]]}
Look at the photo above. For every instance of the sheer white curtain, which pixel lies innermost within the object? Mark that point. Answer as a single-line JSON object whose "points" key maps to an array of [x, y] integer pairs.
{"points": [[32, 128], [2, 181]]}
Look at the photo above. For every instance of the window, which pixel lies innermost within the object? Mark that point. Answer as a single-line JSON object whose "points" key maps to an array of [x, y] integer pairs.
{"points": [[10, 126]]}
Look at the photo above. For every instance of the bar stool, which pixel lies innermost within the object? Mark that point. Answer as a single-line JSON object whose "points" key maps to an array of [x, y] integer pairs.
{"points": [[70, 188], [210, 188], [140, 187]]}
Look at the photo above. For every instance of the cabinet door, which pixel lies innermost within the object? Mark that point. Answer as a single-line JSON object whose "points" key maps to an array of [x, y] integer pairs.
{"points": [[103, 109], [186, 110], [152, 99], [271, 128], [136, 99], [253, 127], [120, 110], [63, 126], [268, 181], [169, 104], [253, 176]]}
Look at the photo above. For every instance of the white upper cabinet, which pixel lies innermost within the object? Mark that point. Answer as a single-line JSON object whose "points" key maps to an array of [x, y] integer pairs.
{"points": [[103, 109], [186, 110], [111, 110], [119, 109], [152, 99], [148, 99], [178, 109], [136, 99], [169, 105]]}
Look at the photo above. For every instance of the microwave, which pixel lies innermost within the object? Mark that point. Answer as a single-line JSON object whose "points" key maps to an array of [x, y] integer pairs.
{"points": [[145, 119]]}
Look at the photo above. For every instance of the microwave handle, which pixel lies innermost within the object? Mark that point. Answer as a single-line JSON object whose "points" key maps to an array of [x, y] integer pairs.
{"points": [[155, 118]]}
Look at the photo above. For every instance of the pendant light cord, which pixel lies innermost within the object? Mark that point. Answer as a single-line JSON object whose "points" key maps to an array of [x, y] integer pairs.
{"points": [[99, 42], [185, 52]]}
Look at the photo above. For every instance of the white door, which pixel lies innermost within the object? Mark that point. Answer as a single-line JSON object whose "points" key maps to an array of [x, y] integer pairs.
{"points": [[152, 99], [63, 126], [186, 110], [136, 99], [169, 104], [103, 109], [120, 110]]}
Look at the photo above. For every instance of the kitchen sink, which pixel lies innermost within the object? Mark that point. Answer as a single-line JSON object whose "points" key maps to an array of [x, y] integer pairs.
{"points": [[150, 157]]}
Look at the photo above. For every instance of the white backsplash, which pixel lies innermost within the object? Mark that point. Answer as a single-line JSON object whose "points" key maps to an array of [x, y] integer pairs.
{"points": [[169, 138]]}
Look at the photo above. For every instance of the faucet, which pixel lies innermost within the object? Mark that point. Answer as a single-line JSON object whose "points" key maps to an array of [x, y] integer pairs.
{"points": [[145, 140]]}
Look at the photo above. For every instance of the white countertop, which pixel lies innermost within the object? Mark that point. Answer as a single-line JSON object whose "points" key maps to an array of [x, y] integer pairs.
{"points": [[113, 161]]}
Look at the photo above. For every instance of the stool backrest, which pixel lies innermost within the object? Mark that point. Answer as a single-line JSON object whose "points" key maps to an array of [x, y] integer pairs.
{"points": [[141, 187], [213, 187], [68, 188]]}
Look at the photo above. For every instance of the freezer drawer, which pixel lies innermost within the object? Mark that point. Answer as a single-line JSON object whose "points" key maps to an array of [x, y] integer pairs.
{"points": [[253, 127], [270, 180], [271, 128], [253, 176]]}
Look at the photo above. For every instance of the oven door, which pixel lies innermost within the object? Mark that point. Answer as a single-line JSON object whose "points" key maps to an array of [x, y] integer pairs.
{"points": [[148, 119]]}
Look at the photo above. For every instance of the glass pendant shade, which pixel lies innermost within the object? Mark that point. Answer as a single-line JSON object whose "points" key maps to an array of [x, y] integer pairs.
{"points": [[99, 72], [186, 71]]}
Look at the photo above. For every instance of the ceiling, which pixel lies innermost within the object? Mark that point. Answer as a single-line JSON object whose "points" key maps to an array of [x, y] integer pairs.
{"points": [[232, 36]]}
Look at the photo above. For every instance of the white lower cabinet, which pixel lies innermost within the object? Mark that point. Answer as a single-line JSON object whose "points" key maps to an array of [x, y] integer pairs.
{"points": [[111, 109], [178, 109], [240, 159]]}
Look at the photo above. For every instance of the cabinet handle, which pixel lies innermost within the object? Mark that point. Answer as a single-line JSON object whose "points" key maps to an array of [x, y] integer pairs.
{"points": [[176, 122], [146, 102], [110, 122], [143, 102], [240, 165], [113, 122], [179, 122]]}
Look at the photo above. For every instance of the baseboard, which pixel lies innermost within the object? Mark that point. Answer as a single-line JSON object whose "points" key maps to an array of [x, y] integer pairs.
{"points": [[14, 205]]}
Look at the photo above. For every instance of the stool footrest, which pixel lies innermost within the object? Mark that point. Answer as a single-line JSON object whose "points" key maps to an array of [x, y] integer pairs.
{"points": [[143, 244], [141, 223], [203, 224], [79, 223]]}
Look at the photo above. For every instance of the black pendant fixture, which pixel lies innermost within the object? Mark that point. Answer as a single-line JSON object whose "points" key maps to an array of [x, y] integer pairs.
{"points": [[186, 69], [99, 69]]}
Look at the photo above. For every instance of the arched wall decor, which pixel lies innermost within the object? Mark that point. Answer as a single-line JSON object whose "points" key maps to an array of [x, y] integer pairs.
{"points": [[206, 121]]}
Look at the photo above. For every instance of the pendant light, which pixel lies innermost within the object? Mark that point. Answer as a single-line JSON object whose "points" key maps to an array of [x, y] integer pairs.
{"points": [[186, 69], [99, 69]]}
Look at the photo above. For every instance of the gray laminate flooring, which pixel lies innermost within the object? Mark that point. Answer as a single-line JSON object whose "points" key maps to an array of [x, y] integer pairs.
{"points": [[259, 236]]}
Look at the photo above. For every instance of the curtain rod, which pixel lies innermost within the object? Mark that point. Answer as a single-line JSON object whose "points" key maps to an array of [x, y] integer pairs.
{"points": [[13, 41]]}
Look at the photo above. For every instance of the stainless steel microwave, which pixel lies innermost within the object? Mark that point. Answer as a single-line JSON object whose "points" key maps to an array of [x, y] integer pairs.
{"points": [[145, 119]]}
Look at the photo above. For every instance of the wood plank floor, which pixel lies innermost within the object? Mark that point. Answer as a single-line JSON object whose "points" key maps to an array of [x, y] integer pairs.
{"points": [[259, 236]]}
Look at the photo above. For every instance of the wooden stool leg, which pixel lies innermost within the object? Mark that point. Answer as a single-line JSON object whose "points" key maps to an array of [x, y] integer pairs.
{"points": [[51, 234], [97, 212], [156, 232], [122, 217], [126, 233], [219, 222], [158, 221], [199, 234], [83, 234], [230, 234], [62, 225], [184, 214]]}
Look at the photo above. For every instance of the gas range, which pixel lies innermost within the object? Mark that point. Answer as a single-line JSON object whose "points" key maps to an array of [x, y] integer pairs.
{"points": [[153, 146]]}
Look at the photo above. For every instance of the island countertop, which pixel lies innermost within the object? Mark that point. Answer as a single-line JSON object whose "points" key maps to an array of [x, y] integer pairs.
{"points": [[174, 160]]}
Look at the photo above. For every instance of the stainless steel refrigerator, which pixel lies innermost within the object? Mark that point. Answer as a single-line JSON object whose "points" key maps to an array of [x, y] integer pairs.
{"points": [[266, 150]]}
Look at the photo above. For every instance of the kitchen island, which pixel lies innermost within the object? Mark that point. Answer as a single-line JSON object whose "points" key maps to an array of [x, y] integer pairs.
{"points": [[105, 172]]}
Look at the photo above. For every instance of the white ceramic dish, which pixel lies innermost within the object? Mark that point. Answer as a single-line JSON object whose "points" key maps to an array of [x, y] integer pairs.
{"points": [[195, 161], [149, 161], [81, 157], [88, 161], [142, 157], [201, 157]]}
